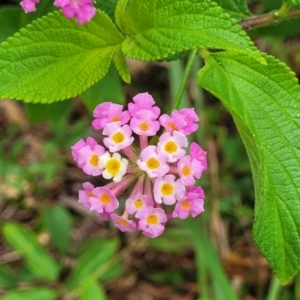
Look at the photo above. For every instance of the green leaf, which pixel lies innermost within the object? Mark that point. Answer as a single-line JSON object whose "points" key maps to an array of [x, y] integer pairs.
{"points": [[121, 65], [54, 58], [32, 294], [6, 278], [108, 89], [37, 259], [156, 29], [236, 8], [92, 260], [37, 112], [296, 2], [91, 290], [207, 257], [57, 221], [264, 100]]}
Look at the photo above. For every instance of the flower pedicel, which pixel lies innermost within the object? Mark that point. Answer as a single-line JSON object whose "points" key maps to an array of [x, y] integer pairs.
{"points": [[160, 176]]}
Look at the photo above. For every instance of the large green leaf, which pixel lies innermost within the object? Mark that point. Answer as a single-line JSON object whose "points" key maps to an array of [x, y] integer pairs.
{"points": [[236, 8], [92, 260], [296, 2], [54, 58], [58, 221], [90, 289], [37, 259], [263, 98], [32, 294], [157, 29]]}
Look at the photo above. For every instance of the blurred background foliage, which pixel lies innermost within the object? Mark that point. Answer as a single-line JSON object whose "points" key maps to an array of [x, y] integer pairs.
{"points": [[53, 248]]}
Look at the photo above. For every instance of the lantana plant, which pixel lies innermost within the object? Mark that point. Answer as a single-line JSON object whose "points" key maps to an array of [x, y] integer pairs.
{"points": [[147, 156]]}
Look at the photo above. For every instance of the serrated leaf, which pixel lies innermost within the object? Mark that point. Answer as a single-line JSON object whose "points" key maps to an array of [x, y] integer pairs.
{"points": [[264, 101], [25, 243], [121, 65], [97, 254], [54, 58], [236, 8], [91, 290], [32, 294], [108, 89], [156, 29], [58, 221]]}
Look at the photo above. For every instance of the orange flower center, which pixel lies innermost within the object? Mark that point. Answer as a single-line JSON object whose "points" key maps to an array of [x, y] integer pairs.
{"points": [[105, 199], [94, 160], [153, 163], [152, 219]]}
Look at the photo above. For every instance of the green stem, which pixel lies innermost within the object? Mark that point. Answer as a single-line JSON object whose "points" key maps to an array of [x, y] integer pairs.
{"points": [[274, 289], [284, 9], [185, 78]]}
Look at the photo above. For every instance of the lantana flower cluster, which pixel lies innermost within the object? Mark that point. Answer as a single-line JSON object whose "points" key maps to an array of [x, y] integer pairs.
{"points": [[82, 10], [145, 156]]}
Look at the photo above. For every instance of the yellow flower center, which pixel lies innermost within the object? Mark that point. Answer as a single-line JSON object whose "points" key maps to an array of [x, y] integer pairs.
{"points": [[186, 171], [170, 147], [138, 203], [152, 219], [153, 163], [167, 189], [123, 222], [94, 160], [186, 205], [90, 194], [113, 166], [144, 127], [118, 137], [115, 119], [105, 199], [172, 126]]}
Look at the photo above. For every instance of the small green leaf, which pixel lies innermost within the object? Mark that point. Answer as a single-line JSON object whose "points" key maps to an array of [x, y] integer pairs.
{"points": [[108, 89], [296, 2], [57, 221], [54, 58], [6, 278], [32, 294], [90, 289], [92, 259], [264, 100], [121, 65], [156, 29], [37, 259], [236, 8]]}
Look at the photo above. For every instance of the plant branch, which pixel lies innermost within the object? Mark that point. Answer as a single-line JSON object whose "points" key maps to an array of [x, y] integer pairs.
{"points": [[273, 17]]}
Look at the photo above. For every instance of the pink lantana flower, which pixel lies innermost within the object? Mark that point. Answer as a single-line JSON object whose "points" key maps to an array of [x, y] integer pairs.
{"points": [[123, 223], [144, 123], [198, 153], [189, 169], [153, 163], [138, 203], [183, 121], [103, 200], [82, 10], [168, 189], [78, 146], [29, 5], [152, 222], [119, 136], [192, 203], [108, 112], [143, 102], [155, 172], [172, 145], [86, 194]]}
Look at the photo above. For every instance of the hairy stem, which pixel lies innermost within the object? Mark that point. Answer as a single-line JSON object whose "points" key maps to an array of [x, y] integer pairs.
{"points": [[273, 17], [185, 78]]}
